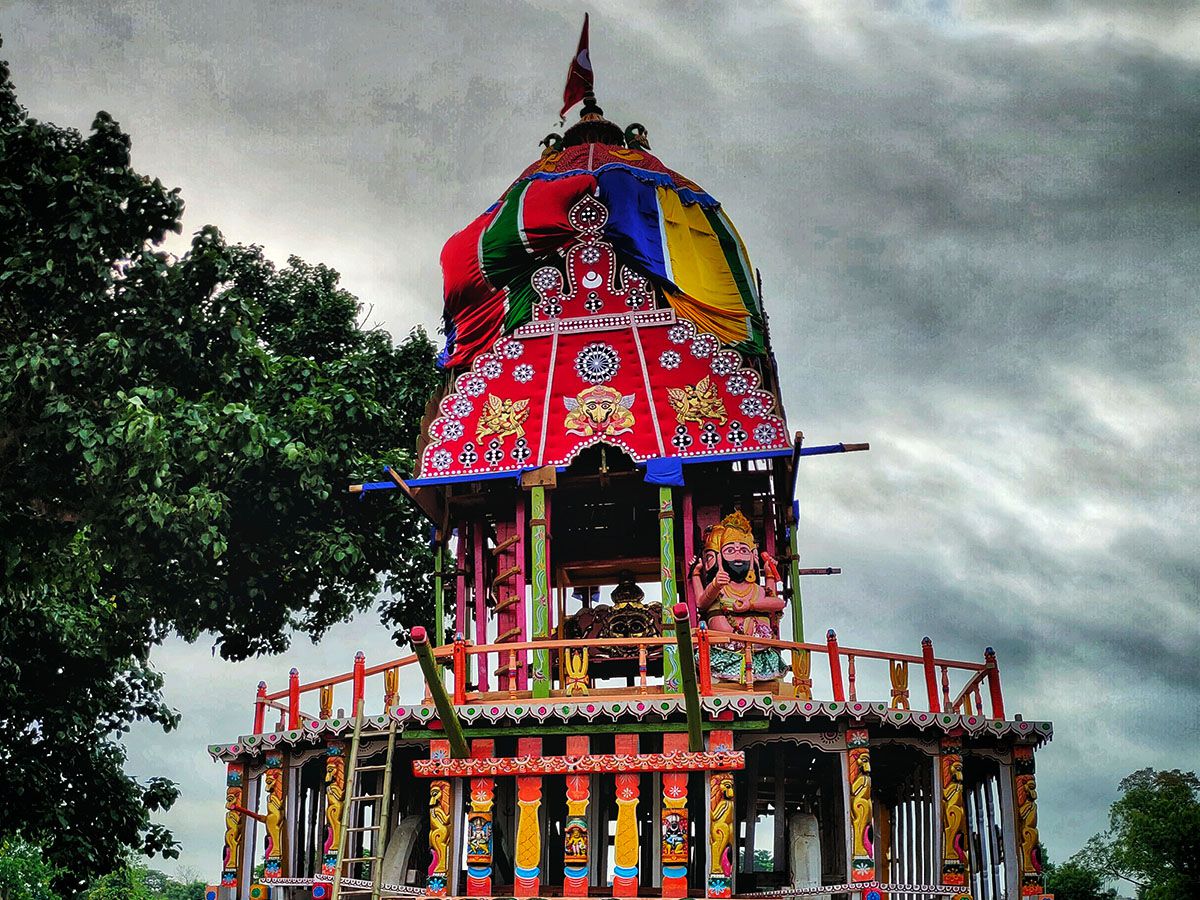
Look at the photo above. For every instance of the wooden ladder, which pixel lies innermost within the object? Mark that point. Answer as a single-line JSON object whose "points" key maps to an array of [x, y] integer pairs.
{"points": [[507, 587], [380, 828]]}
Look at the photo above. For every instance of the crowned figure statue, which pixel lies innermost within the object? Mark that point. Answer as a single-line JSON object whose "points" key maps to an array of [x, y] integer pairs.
{"points": [[735, 590]]}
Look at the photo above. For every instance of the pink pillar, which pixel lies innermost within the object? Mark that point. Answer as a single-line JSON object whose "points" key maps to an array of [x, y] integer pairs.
{"points": [[689, 553], [522, 623], [479, 547]]}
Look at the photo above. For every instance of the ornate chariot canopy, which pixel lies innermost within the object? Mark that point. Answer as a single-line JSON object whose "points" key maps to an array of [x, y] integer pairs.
{"points": [[604, 298]]}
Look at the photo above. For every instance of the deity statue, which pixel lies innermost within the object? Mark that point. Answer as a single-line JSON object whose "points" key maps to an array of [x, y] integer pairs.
{"points": [[735, 589]]}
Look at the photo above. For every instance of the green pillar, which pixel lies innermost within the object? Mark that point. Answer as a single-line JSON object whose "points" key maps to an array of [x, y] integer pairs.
{"points": [[670, 589], [439, 590], [797, 602], [540, 591]]}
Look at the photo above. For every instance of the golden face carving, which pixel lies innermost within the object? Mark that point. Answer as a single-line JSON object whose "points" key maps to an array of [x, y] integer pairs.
{"points": [[598, 410]]}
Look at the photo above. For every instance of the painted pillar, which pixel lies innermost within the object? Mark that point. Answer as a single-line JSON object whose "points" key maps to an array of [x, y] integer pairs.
{"points": [[955, 861], [720, 822], [522, 577], [541, 591], [797, 602], [862, 828], [479, 552], [527, 860], [674, 849], [441, 826], [479, 826], [576, 849], [335, 797], [235, 823], [626, 850], [1029, 851], [670, 589], [439, 589], [273, 784]]}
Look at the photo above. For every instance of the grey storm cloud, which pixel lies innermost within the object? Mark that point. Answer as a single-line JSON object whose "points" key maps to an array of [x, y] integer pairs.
{"points": [[978, 231]]}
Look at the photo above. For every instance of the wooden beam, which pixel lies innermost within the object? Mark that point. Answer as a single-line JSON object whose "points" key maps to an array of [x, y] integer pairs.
{"points": [[452, 727]]}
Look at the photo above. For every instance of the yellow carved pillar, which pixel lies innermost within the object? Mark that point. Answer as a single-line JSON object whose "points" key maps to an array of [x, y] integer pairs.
{"points": [[1028, 849], [274, 784], [955, 861], [862, 857], [719, 883], [335, 797], [625, 842], [235, 823], [527, 863], [441, 826]]}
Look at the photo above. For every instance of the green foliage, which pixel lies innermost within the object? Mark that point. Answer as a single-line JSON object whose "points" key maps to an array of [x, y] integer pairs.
{"points": [[1073, 880], [176, 437], [764, 861], [1153, 839], [24, 872]]}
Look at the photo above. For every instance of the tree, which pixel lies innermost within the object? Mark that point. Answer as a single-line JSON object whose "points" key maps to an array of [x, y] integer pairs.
{"points": [[24, 872], [1073, 880], [176, 436], [1153, 839]]}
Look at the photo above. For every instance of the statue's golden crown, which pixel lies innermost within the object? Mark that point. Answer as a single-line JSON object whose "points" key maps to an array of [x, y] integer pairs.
{"points": [[734, 527]]}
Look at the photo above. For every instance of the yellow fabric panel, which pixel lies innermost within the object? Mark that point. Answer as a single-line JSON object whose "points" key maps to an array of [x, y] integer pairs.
{"points": [[710, 298]]}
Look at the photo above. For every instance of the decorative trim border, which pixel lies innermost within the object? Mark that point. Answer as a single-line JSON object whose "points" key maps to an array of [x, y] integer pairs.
{"points": [[407, 890], [593, 763], [864, 888], [649, 709]]}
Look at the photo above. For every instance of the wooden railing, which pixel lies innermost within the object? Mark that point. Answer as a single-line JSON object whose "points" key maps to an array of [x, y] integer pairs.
{"points": [[845, 667]]}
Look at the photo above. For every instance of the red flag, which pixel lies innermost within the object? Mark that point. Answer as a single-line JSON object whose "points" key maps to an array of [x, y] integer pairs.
{"points": [[579, 76]]}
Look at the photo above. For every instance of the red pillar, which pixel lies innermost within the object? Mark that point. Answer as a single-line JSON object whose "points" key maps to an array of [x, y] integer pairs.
{"points": [[931, 687], [993, 680], [479, 825], [360, 666], [674, 848], [260, 707], [835, 666], [577, 843], [293, 713]]}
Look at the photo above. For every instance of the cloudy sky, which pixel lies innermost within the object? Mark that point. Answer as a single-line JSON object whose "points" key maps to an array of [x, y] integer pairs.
{"points": [[979, 235]]}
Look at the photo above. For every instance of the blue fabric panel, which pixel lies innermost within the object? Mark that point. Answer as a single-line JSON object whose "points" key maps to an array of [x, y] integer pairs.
{"points": [[633, 221], [666, 471]]}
